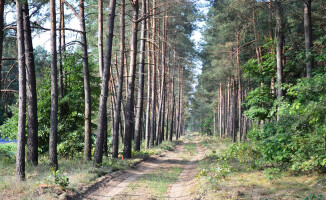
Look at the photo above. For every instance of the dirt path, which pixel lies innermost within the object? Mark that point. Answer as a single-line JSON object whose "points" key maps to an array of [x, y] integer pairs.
{"points": [[181, 189], [116, 186]]}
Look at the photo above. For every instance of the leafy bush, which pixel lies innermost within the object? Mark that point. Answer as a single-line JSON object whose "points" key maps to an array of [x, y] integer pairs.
{"points": [[216, 172], [295, 140], [272, 173], [167, 145], [259, 103], [244, 153], [71, 108], [59, 178], [314, 197], [7, 153]]}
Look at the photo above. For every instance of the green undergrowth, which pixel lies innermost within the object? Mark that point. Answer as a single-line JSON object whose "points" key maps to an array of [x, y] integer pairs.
{"points": [[190, 150], [164, 146], [43, 183], [239, 171]]}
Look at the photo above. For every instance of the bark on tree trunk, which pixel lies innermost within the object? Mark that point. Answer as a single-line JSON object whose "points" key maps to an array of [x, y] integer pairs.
{"points": [[54, 91], [233, 112], [139, 114], [173, 108], [214, 122], [179, 102], [221, 110], [159, 98], [239, 88], [279, 51], [20, 156], [61, 49], [181, 105], [131, 83], [2, 4], [117, 121], [163, 87], [168, 94], [98, 155], [100, 37], [32, 139], [87, 87], [148, 106], [153, 114], [308, 36]]}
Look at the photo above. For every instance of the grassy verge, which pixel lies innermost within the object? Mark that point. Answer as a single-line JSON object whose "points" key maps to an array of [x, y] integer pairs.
{"points": [[157, 150], [154, 185], [223, 177], [190, 150], [73, 173]]}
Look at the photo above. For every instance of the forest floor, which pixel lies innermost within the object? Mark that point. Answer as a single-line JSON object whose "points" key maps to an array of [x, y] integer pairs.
{"points": [[191, 171], [168, 176], [177, 175]]}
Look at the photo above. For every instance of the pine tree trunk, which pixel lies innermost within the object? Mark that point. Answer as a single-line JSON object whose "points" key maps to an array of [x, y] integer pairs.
{"points": [[179, 101], [239, 88], [180, 124], [87, 88], [139, 113], [221, 111], [173, 110], [148, 106], [153, 114], [167, 118], [117, 121], [168, 102], [214, 122], [159, 76], [20, 156], [131, 83], [32, 139], [279, 51], [232, 117], [2, 4], [54, 91], [100, 37], [163, 92], [229, 110], [61, 48], [98, 155], [308, 36]]}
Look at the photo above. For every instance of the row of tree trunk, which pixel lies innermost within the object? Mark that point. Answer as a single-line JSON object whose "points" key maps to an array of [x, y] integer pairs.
{"points": [[228, 119], [150, 125], [164, 113]]}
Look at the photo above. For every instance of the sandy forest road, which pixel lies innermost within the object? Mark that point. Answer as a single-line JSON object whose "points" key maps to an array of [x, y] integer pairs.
{"points": [[117, 185]]}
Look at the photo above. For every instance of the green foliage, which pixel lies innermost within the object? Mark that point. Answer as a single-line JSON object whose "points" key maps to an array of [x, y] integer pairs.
{"points": [[71, 108], [245, 153], [272, 173], [314, 197], [262, 72], [8, 153], [59, 178], [214, 173], [9, 129], [167, 145], [72, 144], [295, 140], [259, 102], [143, 153]]}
